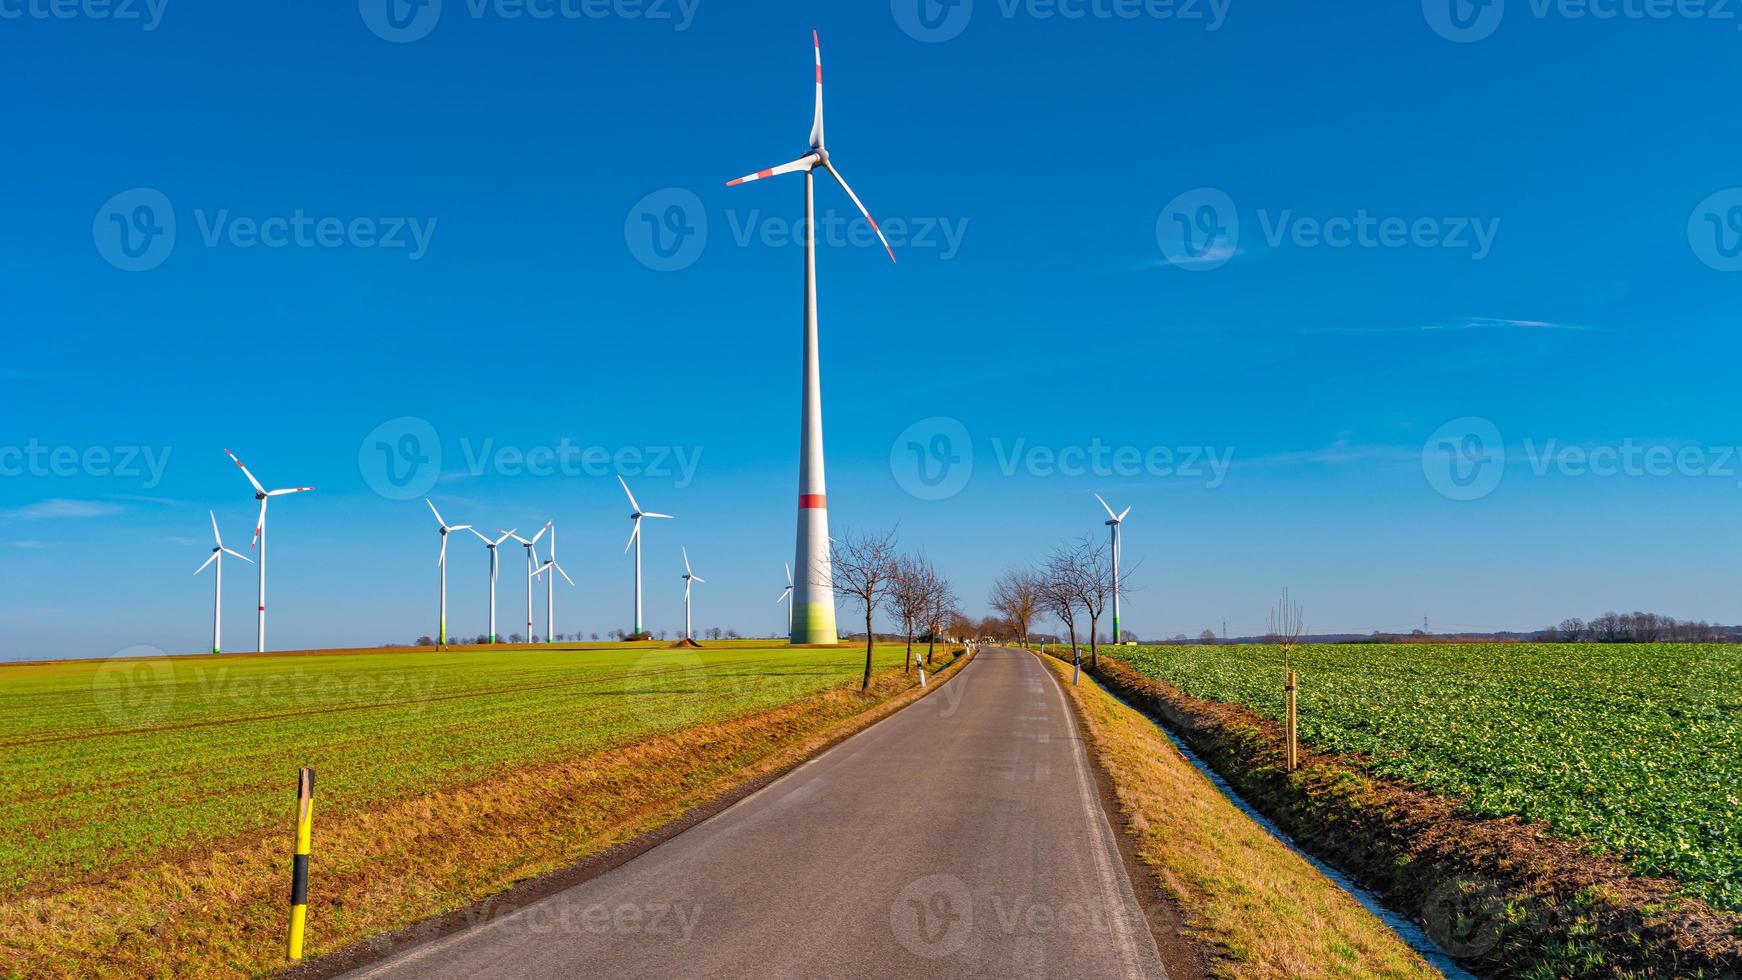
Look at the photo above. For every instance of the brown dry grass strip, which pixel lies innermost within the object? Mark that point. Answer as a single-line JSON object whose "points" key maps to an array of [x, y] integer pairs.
{"points": [[1264, 909], [223, 914]]}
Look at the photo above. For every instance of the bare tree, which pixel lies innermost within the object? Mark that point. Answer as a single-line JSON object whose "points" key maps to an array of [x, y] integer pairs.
{"points": [[1571, 630], [907, 598], [864, 571], [940, 605], [1207, 637], [1017, 595], [1059, 594], [1283, 627], [1082, 568]]}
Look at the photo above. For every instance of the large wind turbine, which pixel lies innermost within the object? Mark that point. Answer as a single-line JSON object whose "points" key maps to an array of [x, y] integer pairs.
{"points": [[442, 566], [261, 494], [689, 578], [636, 514], [1113, 522], [549, 591], [532, 569], [218, 553], [786, 597], [493, 564], [813, 600]]}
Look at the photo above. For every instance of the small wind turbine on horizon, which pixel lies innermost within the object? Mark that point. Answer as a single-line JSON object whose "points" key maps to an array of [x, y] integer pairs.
{"points": [[217, 556], [814, 597], [442, 566], [689, 578], [549, 590], [263, 495], [636, 514], [1113, 522], [786, 597], [493, 565], [532, 568]]}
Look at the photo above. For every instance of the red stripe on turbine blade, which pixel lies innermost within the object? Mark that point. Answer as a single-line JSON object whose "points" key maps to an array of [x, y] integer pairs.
{"points": [[764, 173], [813, 501], [819, 74]]}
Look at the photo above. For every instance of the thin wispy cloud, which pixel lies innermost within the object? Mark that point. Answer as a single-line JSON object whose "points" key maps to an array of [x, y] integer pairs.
{"points": [[1458, 325], [30, 545], [60, 508], [1342, 452]]}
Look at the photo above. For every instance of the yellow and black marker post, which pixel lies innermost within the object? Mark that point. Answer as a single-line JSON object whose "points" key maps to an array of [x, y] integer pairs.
{"points": [[305, 806]]}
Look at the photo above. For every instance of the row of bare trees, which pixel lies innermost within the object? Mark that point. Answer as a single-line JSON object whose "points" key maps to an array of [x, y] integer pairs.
{"points": [[871, 570], [1635, 627], [1073, 586]]}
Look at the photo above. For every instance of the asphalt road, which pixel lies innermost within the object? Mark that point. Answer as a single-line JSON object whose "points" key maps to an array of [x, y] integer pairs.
{"points": [[961, 837]]}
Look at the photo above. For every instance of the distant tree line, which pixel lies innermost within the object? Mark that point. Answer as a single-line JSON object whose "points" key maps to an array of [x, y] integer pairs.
{"points": [[1636, 627]]}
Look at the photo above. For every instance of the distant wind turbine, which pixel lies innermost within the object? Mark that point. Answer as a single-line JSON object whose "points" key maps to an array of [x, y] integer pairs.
{"points": [[1114, 520], [442, 566], [814, 597], [786, 597], [493, 565], [261, 494], [217, 556], [689, 578], [636, 514], [532, 568], [550, 589]]}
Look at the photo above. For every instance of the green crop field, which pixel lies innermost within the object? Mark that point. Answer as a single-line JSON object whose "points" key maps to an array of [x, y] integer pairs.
{"points": [[105, 765], [1635, 748]]}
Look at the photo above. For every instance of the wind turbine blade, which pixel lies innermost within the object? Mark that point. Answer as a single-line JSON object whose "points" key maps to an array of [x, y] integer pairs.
{"points": [[817, 120], [686, 562], [280, 493], [698, 578], [1122, 514], [788, 575], [559, 571], [784, 595], [478, 533], [632, 536], [251, 481], [437, 513], [259, 525], [805, 162], [632, 504], [1106, 508], [462, 527], [237, 554], [541, 531], [666, 516], [506, 535], [442, 559], [861, 206], [217, 539], [209, 559]]}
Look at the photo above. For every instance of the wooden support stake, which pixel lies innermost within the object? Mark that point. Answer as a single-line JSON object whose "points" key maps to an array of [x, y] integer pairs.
{"points": [[1293, 724]]}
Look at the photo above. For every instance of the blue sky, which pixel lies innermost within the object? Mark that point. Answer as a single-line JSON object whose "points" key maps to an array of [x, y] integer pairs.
{"points": [[1547, 274]]}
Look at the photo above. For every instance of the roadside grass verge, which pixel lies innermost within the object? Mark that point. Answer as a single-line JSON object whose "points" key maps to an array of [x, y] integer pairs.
{"points": [[518, 772], [1261, 908]]}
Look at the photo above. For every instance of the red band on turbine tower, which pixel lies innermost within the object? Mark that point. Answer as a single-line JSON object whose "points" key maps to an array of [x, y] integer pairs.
{"points": [[813, 501]]}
